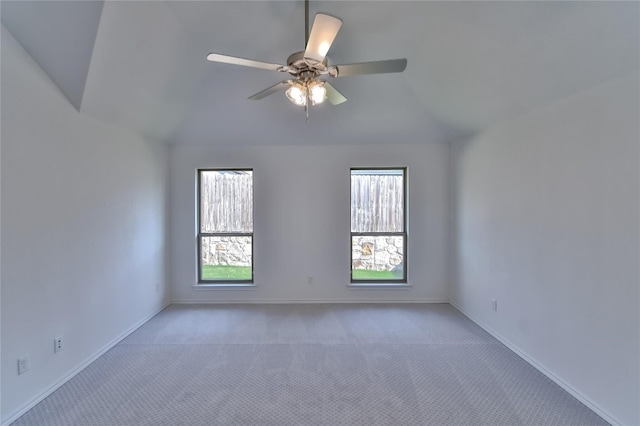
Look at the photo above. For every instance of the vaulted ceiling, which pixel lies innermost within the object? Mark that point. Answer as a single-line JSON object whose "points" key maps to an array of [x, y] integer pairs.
{"points": [[471, 65]]}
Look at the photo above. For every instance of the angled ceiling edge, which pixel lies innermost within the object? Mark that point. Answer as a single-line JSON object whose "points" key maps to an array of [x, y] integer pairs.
{"points": [[59, 36]]}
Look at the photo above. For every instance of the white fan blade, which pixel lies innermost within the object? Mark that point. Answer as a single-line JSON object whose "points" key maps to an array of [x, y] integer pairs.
{"points": [[324, 30], [333, 96], [216, 57], [268, 91], [376, 67]]}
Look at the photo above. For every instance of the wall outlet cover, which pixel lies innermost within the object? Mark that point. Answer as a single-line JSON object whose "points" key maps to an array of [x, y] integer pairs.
{"points": [[23, 364], [57, 344]]}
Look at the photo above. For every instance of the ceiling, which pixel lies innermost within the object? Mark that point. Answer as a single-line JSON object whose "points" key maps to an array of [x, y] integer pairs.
{"points": [[471, 65]]}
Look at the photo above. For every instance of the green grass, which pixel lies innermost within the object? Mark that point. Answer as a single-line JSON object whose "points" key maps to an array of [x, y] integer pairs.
{"points": [[233, 273], [226, 272], [363, 274]]}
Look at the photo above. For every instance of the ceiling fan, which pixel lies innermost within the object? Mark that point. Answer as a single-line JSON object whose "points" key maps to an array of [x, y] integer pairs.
{"points": [[306, 68]]}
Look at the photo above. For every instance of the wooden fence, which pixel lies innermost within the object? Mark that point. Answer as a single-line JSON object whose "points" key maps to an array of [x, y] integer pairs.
{"points": [[377, 203], [227, 202]]}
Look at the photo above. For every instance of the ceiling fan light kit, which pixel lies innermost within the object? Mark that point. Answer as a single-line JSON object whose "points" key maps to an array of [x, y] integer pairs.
{"points": [[302, 92], [306, 67]]}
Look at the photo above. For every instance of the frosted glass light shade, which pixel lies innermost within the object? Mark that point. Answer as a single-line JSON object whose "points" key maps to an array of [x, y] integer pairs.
{"points": [[297, 94], [300, 90], [318, 93]]}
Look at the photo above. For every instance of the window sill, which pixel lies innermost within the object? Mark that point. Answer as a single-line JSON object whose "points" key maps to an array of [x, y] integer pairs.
{"points": [[206, 287], [388, 286]]}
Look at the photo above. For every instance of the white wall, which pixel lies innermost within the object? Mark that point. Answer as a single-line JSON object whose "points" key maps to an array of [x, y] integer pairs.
{"points": [[302, 220], [547, 223], [83, 225]]}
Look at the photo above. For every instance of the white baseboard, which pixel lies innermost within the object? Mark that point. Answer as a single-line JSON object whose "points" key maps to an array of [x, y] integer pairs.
{"points": [[82, 366], [557, 380], [296, 301]]}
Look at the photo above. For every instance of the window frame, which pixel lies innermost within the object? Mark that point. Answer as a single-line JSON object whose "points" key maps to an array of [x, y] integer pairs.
{"points": [[200, 235], [373, 282]]}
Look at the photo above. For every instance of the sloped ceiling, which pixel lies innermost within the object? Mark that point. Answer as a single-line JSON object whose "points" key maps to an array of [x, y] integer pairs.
{"points": [[59, 36], [141, 64]]}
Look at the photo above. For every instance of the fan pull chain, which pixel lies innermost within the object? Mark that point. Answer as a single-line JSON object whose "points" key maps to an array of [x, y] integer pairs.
{"points": [[306, 104]]}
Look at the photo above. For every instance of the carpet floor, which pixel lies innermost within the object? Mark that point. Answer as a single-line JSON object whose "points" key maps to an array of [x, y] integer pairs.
{"points": [[344, 364]]}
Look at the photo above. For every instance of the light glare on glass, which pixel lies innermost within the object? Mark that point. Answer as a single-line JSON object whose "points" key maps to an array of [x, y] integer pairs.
{"points": [[297, 95], [318, 94], [299, 91]]}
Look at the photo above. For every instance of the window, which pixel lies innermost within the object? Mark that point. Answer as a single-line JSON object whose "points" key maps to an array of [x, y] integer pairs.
{"points": [[225, 226], [378, 225]]}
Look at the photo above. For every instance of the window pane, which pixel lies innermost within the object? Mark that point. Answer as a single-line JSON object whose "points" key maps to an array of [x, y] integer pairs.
{"points": [[377, 200], [226, 257], [377, 257], [226, 201]]}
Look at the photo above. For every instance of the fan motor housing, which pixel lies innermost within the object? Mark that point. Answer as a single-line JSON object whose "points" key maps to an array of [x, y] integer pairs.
{"points": [[298, 65]]}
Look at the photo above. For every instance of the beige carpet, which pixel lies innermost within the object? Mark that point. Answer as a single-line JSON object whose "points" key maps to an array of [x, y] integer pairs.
{"points": [[356, 364]]}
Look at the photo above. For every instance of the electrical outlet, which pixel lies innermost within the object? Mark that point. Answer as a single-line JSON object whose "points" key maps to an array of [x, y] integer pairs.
{"points": [[23, 364], [57, 344], [310, 280], [494, 304]]}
